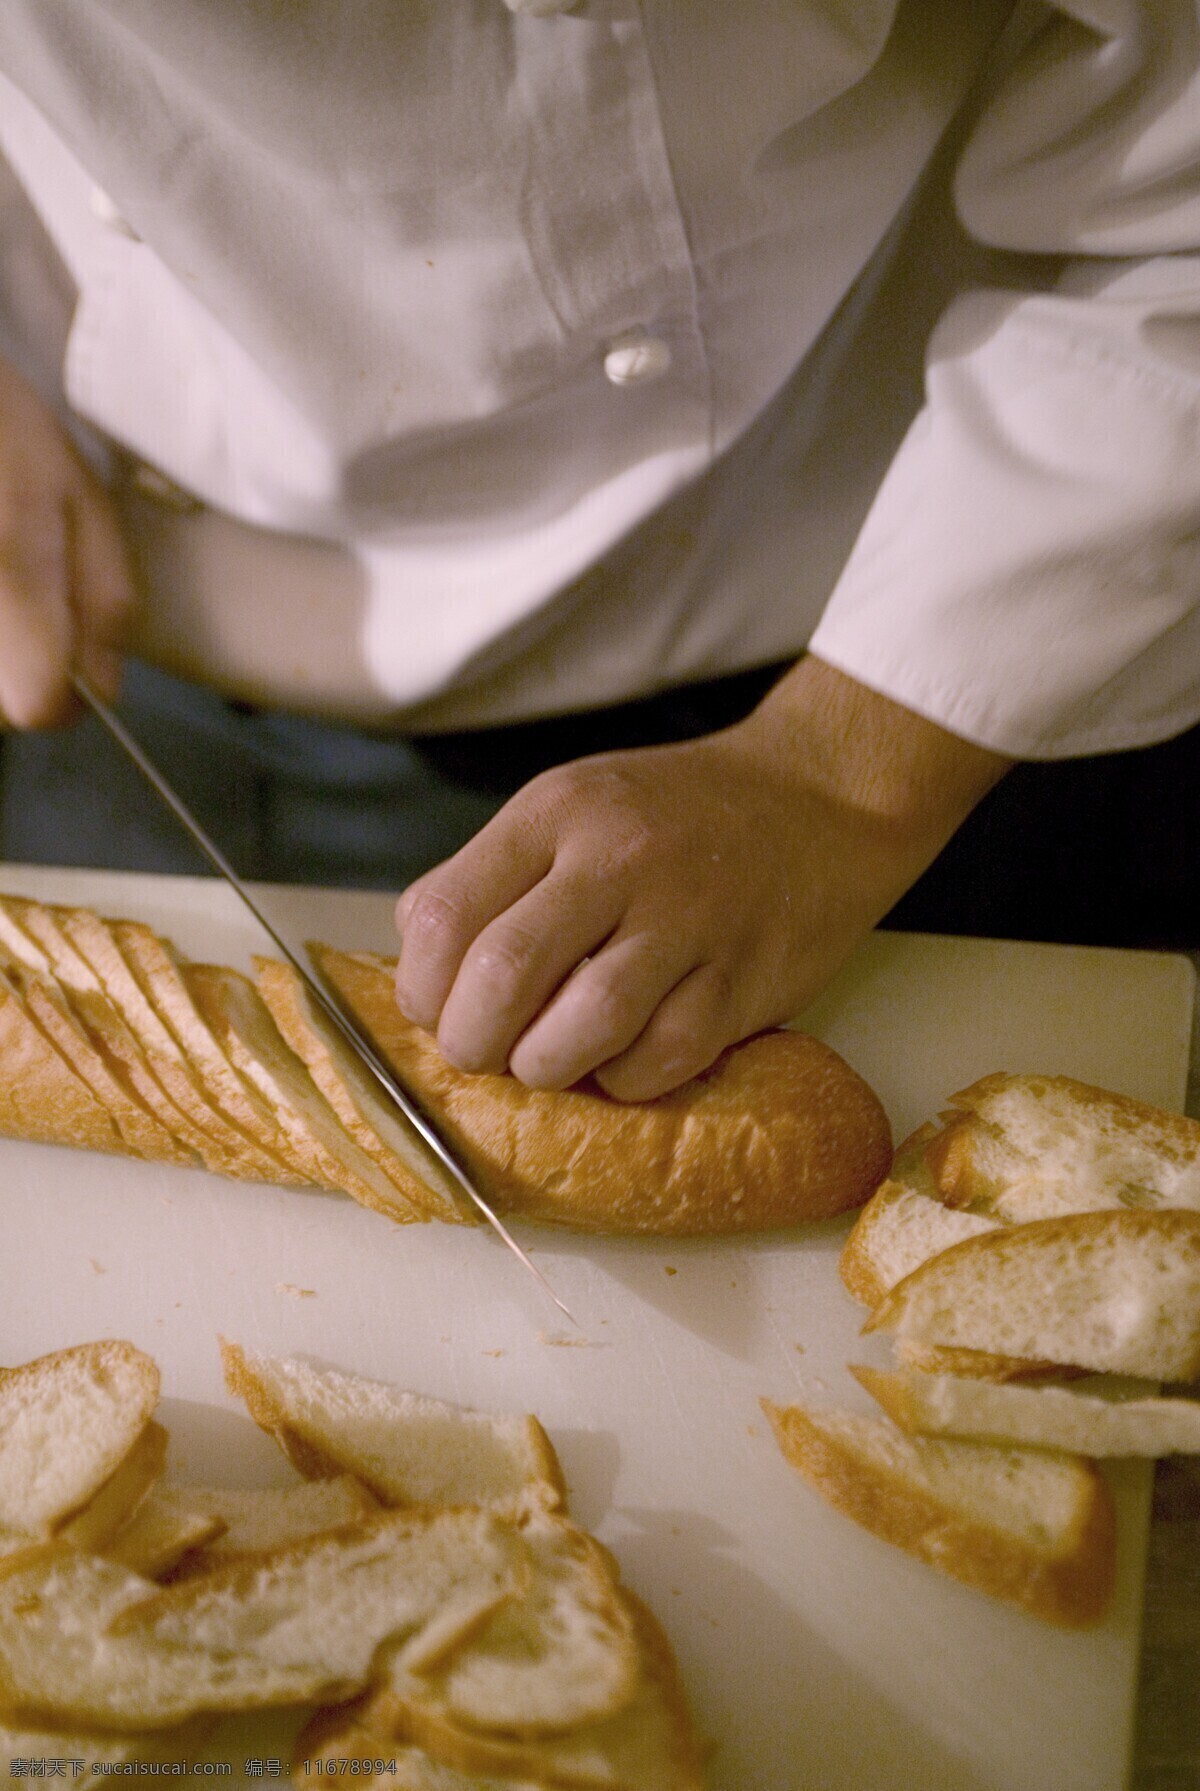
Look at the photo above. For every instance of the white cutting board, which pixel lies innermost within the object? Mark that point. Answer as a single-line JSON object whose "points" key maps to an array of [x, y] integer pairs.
{"points": [[816, 1657]]}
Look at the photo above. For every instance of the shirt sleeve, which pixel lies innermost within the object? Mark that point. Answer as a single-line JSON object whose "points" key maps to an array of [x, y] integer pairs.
{"points": [[1029, 574]]}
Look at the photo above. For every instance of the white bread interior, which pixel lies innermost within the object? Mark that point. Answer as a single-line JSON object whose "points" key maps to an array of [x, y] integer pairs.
{"points": [[68, 1422], [1077, 1419], [1029, 1526], [1117, 1292]]}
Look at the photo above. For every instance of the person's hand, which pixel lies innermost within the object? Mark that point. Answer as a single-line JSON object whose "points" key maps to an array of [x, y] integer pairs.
{"points": [[634, 913], [65, 592]]}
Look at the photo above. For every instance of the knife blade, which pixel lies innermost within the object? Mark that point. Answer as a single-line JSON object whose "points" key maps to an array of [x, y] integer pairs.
{"points": [[326, 999]]}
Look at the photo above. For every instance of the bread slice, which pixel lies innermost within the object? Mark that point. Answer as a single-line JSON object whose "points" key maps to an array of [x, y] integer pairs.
{"points": [[369, 1117], [1033, 1528], [977, 1364], [41, 1096], [407, 1448], [561, 1653], [67, 1421], [122, 1493], [899, 1228], [1115, 1291], [647, 1745], [142, 1131], [230, 1149], [1069, 1419], [779, 1130], [316, 1138], [1031, 1147], [110, 1003], [166, 1527], [336, 1742], [159, 974], [257, 1520], [52, 957], [85, 1643], [20, 1748]]}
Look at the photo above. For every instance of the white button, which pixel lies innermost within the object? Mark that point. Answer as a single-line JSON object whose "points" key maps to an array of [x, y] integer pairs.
{"points": [[636, 358], [103, 208], [539, 9]]}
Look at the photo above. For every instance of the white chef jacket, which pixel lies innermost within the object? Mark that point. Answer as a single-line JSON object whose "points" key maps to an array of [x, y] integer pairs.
{"points": [[553, 352]]}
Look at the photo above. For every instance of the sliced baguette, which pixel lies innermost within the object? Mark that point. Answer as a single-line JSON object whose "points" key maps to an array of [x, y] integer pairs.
{"points": [[899, 1228], [159, 973], [166, 1527], [779, 1130], [67, 1422], [122, 1493], [977, 1364], [1115, 1291], [1030, 1527], [85, 1643], [231, 1150], [257, 1520], [41, 1095], [407, 1448], [1040, 1417], [1032, 1147], [317, 1140], [648, 1745], [562, 1653], [352, 1093], [98, 1065], [111, 1004]]}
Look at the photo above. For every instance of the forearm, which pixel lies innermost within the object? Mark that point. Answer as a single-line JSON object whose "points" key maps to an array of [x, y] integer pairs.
{"points": [[909, 783]]}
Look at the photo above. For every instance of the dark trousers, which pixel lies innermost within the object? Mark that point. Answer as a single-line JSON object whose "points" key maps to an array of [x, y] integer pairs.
{"points": [[1099, 851]]}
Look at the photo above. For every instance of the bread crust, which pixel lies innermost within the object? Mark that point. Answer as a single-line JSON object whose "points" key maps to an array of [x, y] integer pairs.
{"points": [[779, 1131], [1068, 1583]]}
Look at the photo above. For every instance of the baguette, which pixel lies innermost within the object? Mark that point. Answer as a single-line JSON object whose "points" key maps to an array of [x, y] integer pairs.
{"points": [[110, 1040], [353, 1094], [1082, 1422], [405, 1448], [779, 1130], [1115, 1291], [324, 1152], [1033, 1528], [87, 963]]}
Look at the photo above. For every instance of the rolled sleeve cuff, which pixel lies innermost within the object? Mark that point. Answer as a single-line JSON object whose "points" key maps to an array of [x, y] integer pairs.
{"points": [[1029, 574]]}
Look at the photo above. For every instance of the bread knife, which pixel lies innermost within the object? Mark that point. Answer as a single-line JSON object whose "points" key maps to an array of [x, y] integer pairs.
{"points": [[326, 999]]}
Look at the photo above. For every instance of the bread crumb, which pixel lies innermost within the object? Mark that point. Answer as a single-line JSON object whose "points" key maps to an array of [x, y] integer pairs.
{"points": [[752, 1430], [493, 1352], [98, 1268], [563, 1340], [297, 1293], [799, 1348], [668, 1270]]}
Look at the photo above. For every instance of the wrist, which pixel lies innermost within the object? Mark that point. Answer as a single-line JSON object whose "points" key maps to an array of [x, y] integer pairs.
{"points": [[897, 771]]}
